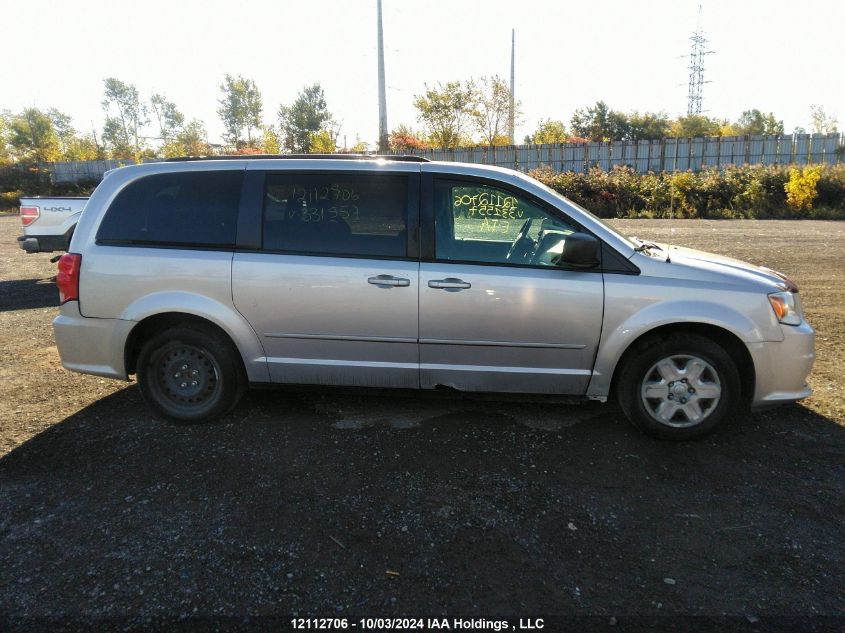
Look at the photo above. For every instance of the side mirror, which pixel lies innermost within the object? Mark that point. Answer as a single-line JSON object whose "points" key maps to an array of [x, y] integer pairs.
{"points": [[580, 250]]}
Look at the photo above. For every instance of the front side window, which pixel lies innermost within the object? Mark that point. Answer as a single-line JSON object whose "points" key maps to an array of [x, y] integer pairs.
{"points": [[336, 214], [180, 208], [480, 223]]}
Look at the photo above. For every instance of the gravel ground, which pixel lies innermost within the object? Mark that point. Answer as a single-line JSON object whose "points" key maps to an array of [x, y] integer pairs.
{"points": [[338, 504]]}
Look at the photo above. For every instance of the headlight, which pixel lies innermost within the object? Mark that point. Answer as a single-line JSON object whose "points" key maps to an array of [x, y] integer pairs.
{"points": [[787, 307]]}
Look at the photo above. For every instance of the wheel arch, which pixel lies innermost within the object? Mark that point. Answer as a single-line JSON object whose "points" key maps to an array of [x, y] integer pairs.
{"points": [[155, 323], [729, 341]]}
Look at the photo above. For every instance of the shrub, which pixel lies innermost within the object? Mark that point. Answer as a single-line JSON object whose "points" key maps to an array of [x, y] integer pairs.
{"points": [[749, 191], [801, 188]]}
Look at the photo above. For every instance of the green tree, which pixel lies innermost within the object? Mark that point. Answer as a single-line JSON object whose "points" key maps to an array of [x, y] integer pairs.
{"points": [[647, 126], [358, 147], [599, 123], [447, 112], [492, 110], [81, 147], [170, 120], [33, 138], [548, 131], [240, 110], [305, 117], [321, 142], [694, 125], [193, 139], [190, 140], [5, 129], [125, 116], [72, 145], [270, 140], [63, 127], [756, 122], [821, 122]]}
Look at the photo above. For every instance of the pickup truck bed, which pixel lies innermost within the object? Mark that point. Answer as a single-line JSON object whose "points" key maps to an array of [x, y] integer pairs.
{"points": [[48, 223]]}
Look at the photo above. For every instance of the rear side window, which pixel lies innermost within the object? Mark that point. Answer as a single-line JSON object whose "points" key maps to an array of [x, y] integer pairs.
{"points": [[336, 214], [176, 209]]}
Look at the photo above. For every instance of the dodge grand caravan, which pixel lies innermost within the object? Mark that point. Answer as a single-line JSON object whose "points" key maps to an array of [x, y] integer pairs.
{"points": [[202, 277]]}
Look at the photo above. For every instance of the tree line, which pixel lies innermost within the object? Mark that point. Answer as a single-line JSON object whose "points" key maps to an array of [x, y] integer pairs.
{"points": [[451, 114]]}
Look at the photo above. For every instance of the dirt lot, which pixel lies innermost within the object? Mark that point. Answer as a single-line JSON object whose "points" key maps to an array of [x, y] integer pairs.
{"points": [[330, 504]]}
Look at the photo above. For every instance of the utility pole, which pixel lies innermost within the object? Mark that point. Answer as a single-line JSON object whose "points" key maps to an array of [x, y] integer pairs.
{"points": [[383, 146], [511, 113]]}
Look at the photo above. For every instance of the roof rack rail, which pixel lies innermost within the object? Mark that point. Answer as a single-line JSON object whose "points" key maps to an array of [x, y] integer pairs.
{"points": [[395, 157]]}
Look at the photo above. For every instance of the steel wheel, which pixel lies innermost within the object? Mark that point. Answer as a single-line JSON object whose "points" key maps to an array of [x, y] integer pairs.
{"points": [[186, 375], [191, 373], [681, 391]]}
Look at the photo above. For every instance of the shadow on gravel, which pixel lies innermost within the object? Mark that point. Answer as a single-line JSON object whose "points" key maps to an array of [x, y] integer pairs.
{"points": [[336, 505], [24, 294]]}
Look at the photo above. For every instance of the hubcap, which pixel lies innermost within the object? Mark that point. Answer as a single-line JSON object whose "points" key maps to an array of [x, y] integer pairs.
{"points": [[681, 391], [186, 375]]}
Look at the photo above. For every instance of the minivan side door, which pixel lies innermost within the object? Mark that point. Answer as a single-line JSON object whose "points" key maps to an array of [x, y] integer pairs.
{"points": [[498, 312], [331, 288]]}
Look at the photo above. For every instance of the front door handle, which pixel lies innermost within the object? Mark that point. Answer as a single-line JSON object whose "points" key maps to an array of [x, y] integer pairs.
{"points": [[388, 280], [450, 283]]}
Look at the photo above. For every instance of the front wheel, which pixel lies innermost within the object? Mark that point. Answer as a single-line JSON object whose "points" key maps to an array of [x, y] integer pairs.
{"points": [[190, 374], [679, 388]]}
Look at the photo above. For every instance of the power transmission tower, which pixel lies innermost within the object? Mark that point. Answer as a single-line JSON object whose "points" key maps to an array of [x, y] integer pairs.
{"points": [[698, 50]]}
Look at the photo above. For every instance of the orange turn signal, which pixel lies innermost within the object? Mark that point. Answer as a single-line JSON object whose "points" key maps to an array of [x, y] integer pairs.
{"points": [[779, 306]]}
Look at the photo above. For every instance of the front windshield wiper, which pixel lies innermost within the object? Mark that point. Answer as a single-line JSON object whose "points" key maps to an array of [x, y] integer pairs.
{"points": [[644, 245]]}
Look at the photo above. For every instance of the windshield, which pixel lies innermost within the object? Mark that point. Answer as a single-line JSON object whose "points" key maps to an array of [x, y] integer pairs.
{"points": [[601, 221]]}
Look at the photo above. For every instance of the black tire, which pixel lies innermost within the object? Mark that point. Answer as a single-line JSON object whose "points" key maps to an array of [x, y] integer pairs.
{"points": [[191, 373], [714, 394]]}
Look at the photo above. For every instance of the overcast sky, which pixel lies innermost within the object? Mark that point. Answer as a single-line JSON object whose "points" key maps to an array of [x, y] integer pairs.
{"points": [[769, 54]]}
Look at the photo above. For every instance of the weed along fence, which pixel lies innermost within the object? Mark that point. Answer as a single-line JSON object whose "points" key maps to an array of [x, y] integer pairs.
{"points": [[668, 154]]}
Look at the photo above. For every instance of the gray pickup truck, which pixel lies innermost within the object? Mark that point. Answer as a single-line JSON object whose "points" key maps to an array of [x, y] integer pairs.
{"points": [[48, 223]]}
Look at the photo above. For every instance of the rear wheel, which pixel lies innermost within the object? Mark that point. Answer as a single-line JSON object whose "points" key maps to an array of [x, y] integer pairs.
{"points": [[190, 373], [679, 388]]}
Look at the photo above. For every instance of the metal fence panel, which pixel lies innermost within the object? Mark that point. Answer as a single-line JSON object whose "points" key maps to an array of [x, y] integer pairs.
{"points": [[655, 157], [641, 164], [756, 149], [711, 151], [785, 149], [670, 154], [630, 154], [817, 148], [683, 154], [573, 157], [724, 151], [802, 147], [831, 145]]}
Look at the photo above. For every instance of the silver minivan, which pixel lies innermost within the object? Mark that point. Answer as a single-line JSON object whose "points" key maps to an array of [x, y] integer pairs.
{"points": [[202, 277]]}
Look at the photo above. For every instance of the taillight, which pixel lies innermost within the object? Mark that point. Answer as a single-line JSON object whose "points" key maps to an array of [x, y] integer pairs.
{"points": [[67, 279], [29, 215]]}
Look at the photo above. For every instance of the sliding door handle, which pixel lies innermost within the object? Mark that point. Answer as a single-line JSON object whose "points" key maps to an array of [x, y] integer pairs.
{"points": [[450, 283], [388, 280]]}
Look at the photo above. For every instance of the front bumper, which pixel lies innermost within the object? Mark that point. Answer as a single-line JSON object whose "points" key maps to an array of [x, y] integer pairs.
{"points": [[782, 367], [91, 346]]}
